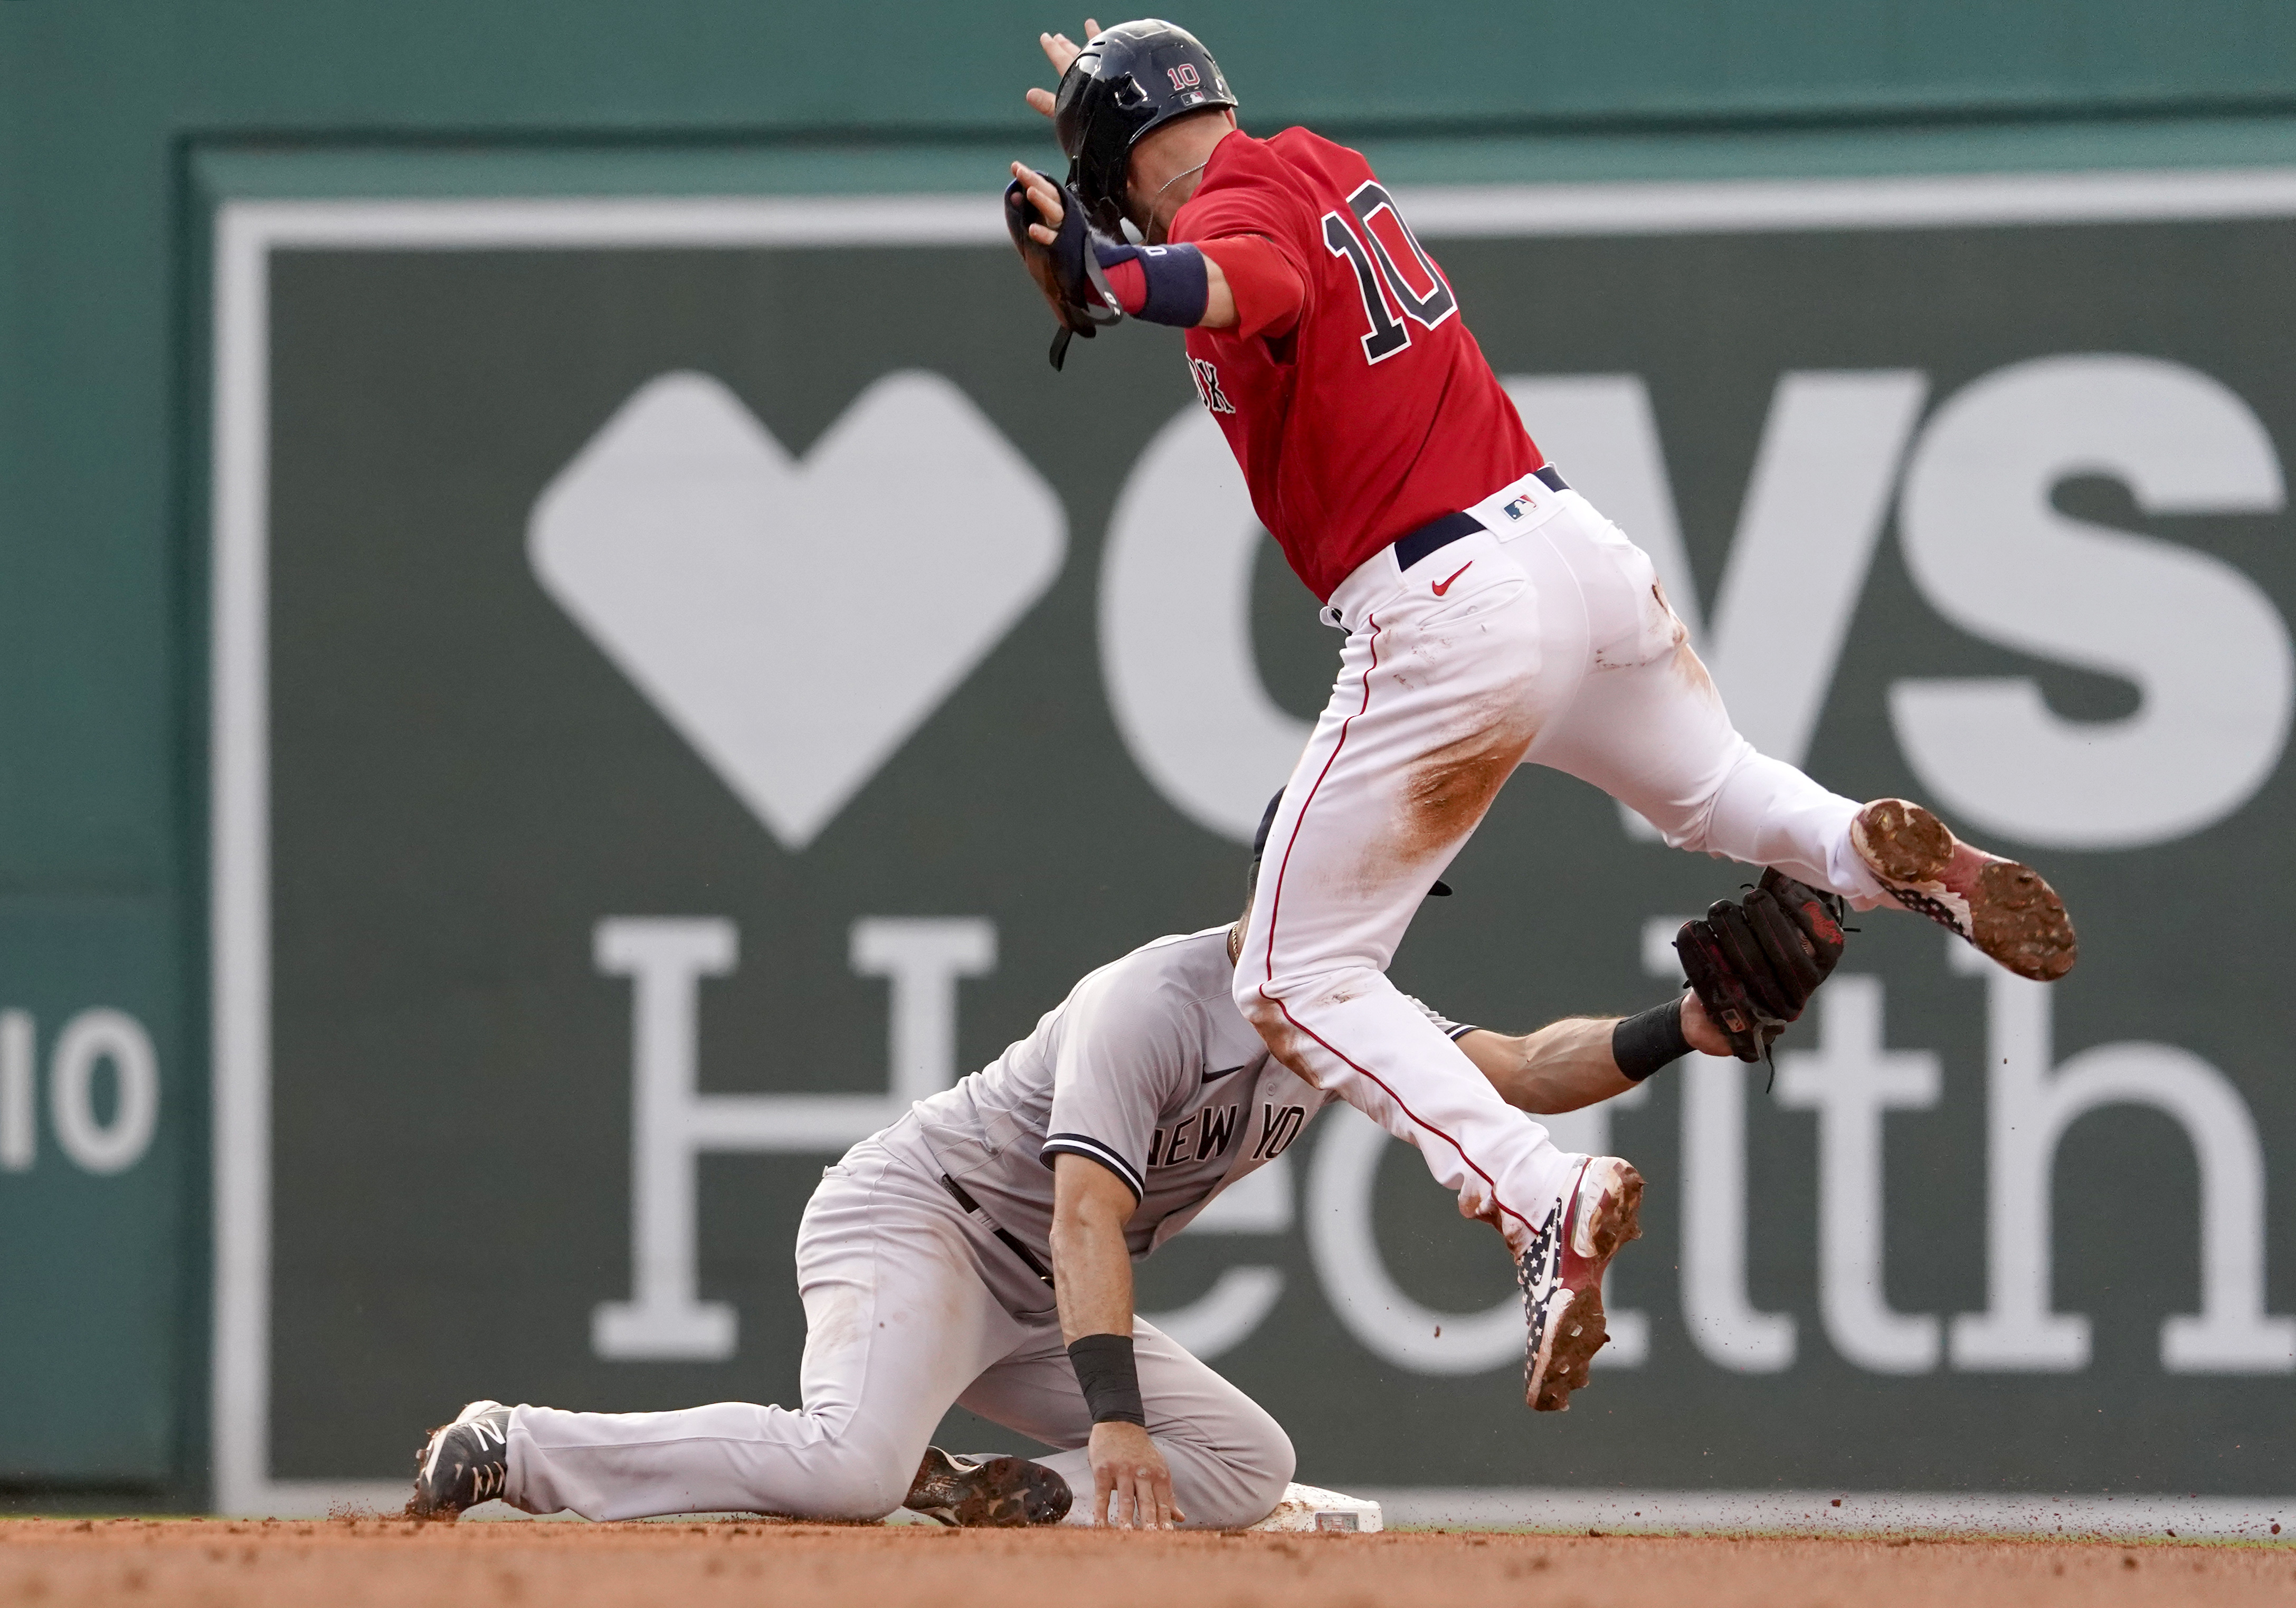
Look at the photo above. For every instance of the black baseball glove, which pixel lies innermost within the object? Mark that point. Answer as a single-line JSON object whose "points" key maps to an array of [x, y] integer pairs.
{"points": [[1068, 271], [1754, 965]]}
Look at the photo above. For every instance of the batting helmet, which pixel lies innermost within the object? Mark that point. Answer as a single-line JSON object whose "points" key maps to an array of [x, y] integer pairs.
{"points": [[1127, 80]]}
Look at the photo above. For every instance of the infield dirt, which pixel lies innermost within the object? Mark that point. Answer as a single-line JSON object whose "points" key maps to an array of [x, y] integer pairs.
{"points": [[347, 1563]]}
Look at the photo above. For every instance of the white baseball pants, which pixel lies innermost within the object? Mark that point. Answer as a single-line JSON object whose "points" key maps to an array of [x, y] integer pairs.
{"points": [[909, 1308], [1543, 637]]}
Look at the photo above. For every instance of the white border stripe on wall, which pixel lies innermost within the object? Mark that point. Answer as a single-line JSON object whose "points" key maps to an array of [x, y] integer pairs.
{"points": [[239, 755], [1752, 205], [239, 760]]}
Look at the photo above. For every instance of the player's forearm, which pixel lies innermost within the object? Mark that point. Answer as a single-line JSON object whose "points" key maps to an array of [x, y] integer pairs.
{"points": [[1219, 297], [1574, 1063], [1242, 284], [1092, 1266], [1561, 1066], [1092, 1274]]}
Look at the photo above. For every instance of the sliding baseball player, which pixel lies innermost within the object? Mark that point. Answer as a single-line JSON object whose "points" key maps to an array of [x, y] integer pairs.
{"points": [[979, 1252]]}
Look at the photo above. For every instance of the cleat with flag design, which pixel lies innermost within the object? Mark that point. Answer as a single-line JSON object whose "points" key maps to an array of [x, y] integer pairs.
{"points": [[1562, 1279]]}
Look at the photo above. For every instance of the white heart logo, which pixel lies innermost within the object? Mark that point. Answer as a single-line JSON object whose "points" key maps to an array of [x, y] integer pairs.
{"points": [[796, 623]]}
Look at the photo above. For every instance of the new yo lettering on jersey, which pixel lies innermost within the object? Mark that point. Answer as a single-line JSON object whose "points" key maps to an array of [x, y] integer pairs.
{"points": [[756, 733], [1205, 1135], [1216, 1126]]}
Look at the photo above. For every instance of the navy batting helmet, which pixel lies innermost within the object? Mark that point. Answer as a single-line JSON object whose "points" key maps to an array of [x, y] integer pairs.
{"points": [[1127, 80]]}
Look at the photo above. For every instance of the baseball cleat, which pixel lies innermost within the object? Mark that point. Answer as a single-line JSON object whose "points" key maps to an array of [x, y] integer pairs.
{"points": [[2002, 907], [986, 1493], [1562, 1279], [463, 1463]]}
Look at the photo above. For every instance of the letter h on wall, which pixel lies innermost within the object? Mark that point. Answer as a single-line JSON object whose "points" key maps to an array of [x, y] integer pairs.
{"points": [[672, 1124]]}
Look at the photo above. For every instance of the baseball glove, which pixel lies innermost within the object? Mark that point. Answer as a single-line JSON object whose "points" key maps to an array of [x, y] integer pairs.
{"points": [[1754, 963], [1068, 271]]}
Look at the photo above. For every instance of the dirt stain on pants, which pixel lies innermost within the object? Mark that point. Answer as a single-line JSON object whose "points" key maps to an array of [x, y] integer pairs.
{"points": [[1449, 790]]}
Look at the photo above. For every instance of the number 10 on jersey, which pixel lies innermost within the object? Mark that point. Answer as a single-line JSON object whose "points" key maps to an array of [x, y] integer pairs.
{"points": [[1363, 240]]}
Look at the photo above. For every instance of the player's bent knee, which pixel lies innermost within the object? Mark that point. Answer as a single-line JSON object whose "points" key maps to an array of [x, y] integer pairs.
{"points": [[1276, 997], [1257, 1473], [852, 1484], [1261, 1012], [1274, 1468], [1735, 780], [854, 1505], [1283, 1034]]}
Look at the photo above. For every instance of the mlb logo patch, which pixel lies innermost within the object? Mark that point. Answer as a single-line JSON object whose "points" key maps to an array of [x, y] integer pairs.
{"points": [[1522, 506]]}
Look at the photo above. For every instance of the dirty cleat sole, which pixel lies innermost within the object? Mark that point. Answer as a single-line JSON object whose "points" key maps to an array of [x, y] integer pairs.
{"points": [[1562, 1279], [2005, 909], [986, 1493]]}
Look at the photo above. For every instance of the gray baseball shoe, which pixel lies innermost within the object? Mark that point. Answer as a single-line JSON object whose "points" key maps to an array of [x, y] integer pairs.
{"points": [[463, 1463], [986, 1493], [2005, 909], [1562, 1279]]}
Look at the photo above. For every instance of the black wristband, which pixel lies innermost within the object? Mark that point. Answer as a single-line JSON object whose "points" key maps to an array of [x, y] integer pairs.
{"points": [[1642, 1043], [1110, 1378]]}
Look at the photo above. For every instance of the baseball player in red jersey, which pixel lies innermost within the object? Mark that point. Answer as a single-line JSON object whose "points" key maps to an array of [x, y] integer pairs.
{"points": [[1493, 616]]}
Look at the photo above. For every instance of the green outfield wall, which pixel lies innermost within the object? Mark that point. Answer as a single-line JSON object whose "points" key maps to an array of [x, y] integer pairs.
{"points": [[344, 822]]}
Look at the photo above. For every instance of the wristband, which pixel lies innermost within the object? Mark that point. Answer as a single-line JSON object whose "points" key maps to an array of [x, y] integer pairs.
{"points": [[1642, 1044], [1110, 1379], [1175, 287]]}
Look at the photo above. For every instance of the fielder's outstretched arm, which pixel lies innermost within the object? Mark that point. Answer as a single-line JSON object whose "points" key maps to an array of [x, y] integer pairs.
{"points": [[1573, 1063], [1752, 964], [1092, 1274]]}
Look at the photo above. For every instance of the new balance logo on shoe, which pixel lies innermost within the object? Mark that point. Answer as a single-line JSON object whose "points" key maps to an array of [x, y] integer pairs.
{"points": [[463, 1463]]}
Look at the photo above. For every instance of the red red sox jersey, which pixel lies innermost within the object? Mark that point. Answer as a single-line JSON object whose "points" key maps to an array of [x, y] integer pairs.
{"points": [[1376, 412]]}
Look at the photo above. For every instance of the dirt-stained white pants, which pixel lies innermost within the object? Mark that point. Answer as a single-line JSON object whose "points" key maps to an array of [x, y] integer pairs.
{"points": [[1543, 637], [909, 1307]]}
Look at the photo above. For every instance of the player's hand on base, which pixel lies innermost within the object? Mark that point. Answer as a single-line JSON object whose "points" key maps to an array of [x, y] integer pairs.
{"points": [[1060, 51], [1131, 1487]]}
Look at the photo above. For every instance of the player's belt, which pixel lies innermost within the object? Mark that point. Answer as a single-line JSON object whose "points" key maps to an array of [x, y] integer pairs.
{"points": [[1011, 1241], [1439, 533]]}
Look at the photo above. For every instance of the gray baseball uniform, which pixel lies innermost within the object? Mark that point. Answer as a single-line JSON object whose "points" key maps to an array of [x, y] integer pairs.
{"points": [[921, 1260]]}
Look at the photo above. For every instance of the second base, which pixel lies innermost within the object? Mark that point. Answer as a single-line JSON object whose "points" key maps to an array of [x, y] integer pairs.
{"points": [[1307, 1507]]}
